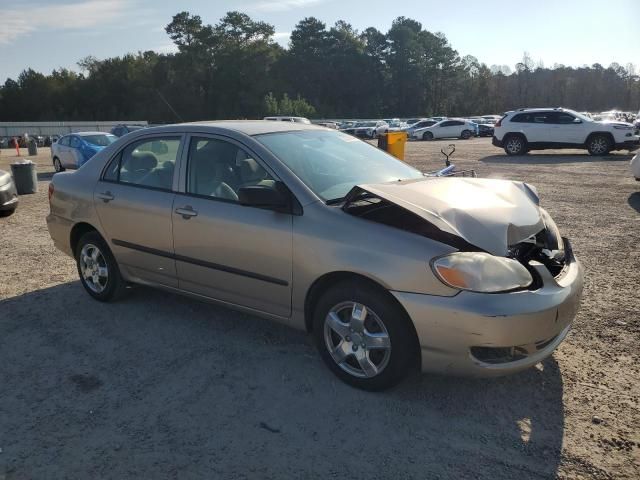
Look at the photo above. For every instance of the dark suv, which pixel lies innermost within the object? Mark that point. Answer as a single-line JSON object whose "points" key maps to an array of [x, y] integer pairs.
{"points": [[120, 130]]}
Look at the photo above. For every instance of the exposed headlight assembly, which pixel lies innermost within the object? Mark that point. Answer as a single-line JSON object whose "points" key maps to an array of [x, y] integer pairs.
{"points": [[481, 272], [554, 239]]}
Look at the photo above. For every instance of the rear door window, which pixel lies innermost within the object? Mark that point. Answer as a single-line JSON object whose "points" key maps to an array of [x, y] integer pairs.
{"points": [[147, 163], [531, 117]]}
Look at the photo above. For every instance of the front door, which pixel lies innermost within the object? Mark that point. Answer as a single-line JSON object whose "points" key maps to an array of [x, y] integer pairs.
{"points": [[134, 199], [565, 128], [224, 250], [444, 130]]}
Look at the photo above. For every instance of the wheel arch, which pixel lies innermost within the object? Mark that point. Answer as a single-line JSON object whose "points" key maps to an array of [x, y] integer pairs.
{"points": [[78, 230], [609, 135], [515, 134], [323, 283]]}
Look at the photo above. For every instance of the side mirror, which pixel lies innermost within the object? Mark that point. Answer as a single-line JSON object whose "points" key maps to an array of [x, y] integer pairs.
{"points": [[577, 120], [265, 196]]}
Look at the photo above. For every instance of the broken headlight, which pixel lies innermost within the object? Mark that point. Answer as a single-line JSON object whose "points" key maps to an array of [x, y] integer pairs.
{"points": [[554, 239], [481, 272]]}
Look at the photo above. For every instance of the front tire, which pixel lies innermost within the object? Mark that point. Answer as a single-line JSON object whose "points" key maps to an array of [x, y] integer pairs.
{"points": [[363, 336], [599, 145], [98, 269], [427, 136], [515, 145], [57, 165], [466, 134]]}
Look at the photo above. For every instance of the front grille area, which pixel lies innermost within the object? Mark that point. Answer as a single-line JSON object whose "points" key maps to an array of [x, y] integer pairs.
{"points": [[500, 355], [543, 248]]}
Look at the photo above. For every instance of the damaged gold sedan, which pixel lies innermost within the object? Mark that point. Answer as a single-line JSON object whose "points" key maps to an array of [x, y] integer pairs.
{"points": [[387, 268]]}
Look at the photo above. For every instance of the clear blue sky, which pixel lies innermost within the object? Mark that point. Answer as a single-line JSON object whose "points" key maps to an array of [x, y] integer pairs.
{"points": [[46, 34]]}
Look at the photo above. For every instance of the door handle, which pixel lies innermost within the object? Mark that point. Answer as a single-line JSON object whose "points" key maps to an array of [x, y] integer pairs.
{"points": [[106, 197], [187, 212]]}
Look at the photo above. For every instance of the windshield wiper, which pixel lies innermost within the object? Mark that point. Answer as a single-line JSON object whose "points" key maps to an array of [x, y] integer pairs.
{"points": [[334, 201]]}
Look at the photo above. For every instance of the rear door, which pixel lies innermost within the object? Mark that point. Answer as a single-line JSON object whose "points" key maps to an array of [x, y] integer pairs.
{"points": [[224, 250], [134, 200], [533, 125]]}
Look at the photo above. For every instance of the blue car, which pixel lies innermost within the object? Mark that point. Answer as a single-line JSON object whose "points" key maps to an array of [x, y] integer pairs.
{"points": [[73, 150]]}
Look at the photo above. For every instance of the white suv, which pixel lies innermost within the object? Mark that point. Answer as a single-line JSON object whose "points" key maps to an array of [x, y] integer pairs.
{"points": [[540, 128]]}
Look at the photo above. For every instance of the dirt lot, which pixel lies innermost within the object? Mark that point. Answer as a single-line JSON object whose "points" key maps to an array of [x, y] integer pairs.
{"points": [[160, 386]]}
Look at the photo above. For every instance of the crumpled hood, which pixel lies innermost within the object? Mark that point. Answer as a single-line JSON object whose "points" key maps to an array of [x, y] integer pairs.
{"points": [[490, 214]]}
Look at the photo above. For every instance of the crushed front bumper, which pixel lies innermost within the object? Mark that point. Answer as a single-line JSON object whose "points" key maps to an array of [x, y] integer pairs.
{"points": [[480, 334]]}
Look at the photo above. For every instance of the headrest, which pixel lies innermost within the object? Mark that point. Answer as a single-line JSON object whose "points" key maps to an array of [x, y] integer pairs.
{"points": [[143, 161]]}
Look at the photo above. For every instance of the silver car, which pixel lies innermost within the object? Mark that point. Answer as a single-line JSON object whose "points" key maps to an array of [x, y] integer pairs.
{"points": [[387, 268]]}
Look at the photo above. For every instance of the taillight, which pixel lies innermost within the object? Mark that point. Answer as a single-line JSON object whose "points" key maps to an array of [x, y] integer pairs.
{"points": [[498, 123], [50, 191]]}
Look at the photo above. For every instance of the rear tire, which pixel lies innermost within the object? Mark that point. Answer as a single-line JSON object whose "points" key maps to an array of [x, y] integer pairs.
{"points": [[370, 348], [7, 213], [599, 145], [57, 165], [98, 269], [428, 136], [515, 145]]}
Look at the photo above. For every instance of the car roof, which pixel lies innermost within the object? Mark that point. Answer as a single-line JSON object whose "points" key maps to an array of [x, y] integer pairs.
{"points": [[85, 134], [248, 127], [548, 109]]}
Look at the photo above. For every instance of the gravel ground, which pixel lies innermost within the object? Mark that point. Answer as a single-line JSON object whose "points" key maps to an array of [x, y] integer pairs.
{"points": [[160, 386]]}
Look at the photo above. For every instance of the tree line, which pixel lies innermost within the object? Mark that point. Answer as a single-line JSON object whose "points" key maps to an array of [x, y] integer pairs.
{"points": [[235, 69]]}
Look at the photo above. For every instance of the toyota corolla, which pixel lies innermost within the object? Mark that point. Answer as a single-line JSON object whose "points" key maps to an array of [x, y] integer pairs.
{"points": [[387, 268]]}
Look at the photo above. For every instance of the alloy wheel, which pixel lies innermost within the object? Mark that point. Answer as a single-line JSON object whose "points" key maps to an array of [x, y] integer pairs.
{"points": [[599, 146], [57, 165], [93, 268], [514, 145], [357, 339]]}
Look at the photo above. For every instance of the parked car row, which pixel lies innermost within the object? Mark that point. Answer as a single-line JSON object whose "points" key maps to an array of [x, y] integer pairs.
{"points": [[426, 128], [48, 140], [24, 140]]}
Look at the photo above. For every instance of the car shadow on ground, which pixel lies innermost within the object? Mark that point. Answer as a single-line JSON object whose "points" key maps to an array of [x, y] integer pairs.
{"points": [[158, 383], [549, 159], [634, 200]]}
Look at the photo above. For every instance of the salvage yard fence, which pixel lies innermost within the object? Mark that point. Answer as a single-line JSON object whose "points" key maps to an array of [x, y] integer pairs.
{"points": [[16, 129]]}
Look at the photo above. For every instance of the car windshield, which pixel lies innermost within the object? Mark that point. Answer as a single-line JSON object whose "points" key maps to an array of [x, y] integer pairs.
{"points": [[366, 124], [332, 163], [100, 140]]}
